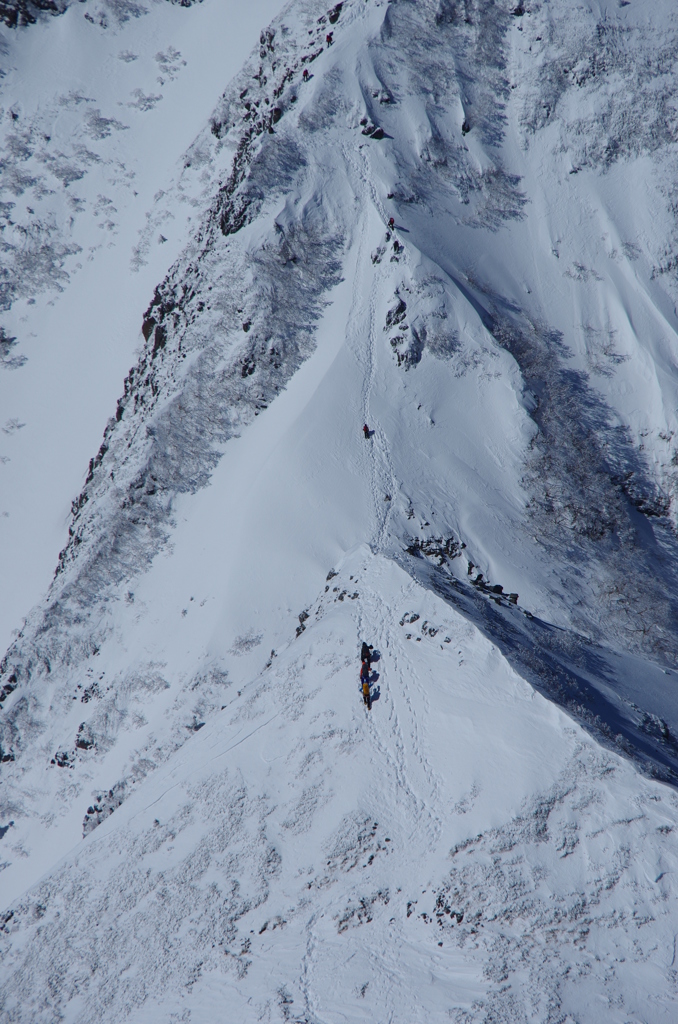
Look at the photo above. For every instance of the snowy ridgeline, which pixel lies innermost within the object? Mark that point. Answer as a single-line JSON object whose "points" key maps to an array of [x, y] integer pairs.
{"points": [[302, 862], [511, 343]]}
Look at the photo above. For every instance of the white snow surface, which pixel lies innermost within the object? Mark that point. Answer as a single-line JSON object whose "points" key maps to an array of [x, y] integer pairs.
{"points": [[85, 167], [199, 819]]}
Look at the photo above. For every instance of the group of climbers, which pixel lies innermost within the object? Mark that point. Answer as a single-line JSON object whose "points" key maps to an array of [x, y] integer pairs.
{"points": [[329, 39], [366, 649], [366, 662]]}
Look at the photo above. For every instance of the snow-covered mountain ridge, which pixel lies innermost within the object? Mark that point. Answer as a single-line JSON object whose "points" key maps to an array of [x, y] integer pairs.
{"points": [[75, 328], [219, 889], [512, 345]]}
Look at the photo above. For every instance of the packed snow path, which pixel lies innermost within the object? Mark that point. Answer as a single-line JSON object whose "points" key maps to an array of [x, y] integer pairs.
{"points": [[507, 532]]}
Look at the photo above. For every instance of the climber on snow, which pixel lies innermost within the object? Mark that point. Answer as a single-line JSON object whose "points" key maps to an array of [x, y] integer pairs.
{"points": [[366, 431], [328, 39], [366, 653], [365, 681], [391, 223], [305, 75]]}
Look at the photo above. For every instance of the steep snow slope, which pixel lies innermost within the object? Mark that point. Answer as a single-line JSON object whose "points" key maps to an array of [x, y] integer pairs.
{"points": [[512, 345], [87, 158], [301, 859]]}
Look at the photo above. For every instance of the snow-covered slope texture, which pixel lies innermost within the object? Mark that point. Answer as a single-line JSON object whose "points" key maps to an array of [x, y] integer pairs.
{"points": [[97, 113], [252, 837], [303, 860]]}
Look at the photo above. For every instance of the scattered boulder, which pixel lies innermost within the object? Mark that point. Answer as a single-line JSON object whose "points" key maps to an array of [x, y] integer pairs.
{"points": [[396, 315], [103, 807]]}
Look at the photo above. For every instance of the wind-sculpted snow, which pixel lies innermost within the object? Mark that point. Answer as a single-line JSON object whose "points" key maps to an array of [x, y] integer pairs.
{"points": [[606, 87], [45, 152], [66, 181], [25, 12], [586, 475], [224, 332], [20, 13], [212, 345], [597, 686], [588, 483], [302, 903], [456, 67], [591, 492], [502, 532]]}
